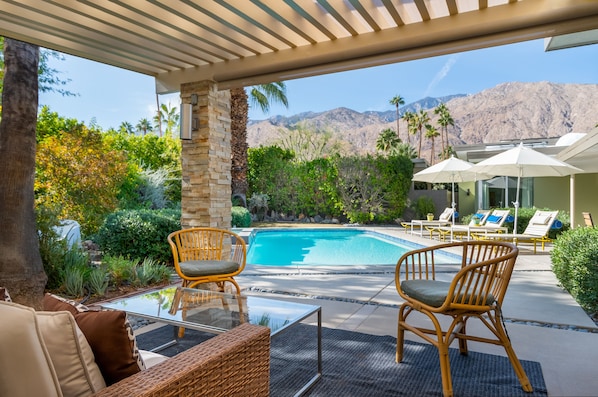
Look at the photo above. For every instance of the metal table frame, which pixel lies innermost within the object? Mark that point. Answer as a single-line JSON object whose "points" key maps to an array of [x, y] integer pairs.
{"points": [[160, 317]]}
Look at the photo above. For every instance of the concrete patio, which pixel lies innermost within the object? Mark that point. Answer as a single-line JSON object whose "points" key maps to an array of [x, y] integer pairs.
{"points": [[544, 322]]}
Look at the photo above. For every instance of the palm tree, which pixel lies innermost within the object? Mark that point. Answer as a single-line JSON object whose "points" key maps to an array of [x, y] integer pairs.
{"points": [[404, 149], [170, 114], [419, 121], [398, 100], [431, 133], [387, 140], [143, 126], [21, 268], [259, 95], [444, 121], [408, 117], [126, 128]]}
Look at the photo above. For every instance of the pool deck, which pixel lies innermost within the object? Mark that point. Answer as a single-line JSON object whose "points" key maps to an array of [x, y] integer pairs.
{"points": [[544, 322]]}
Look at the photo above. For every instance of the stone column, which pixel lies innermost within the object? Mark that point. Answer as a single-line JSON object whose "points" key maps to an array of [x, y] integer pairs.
{"points": [[206, 159]]}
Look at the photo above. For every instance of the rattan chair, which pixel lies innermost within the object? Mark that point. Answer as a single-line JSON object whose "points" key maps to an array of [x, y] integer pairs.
{"points": [[477, 290], [587, 217], [208, 255]]}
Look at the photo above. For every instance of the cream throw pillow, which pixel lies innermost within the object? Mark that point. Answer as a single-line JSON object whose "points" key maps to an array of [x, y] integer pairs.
{"points": [[26, 366], [73, 359]]}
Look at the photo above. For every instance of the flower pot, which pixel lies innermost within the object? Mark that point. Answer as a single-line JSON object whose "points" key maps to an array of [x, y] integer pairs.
{"points": [[430, 217]]}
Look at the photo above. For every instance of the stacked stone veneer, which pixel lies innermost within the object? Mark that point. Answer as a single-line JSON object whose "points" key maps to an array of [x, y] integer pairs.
{"points": [[206, 159]]}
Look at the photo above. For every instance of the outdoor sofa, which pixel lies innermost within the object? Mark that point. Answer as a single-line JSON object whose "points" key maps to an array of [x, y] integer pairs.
{"points": [[47, 353]]}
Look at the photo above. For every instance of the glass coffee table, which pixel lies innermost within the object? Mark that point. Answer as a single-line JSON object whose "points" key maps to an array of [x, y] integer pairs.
{"points": [[217, 312]]}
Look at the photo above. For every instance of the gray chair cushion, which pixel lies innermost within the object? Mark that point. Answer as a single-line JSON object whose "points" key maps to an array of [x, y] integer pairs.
{"points": [[431, 292], [208, 268]]}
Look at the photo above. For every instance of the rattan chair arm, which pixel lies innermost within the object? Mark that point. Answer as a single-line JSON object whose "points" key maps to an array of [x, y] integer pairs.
{"points": [[236, 363]]}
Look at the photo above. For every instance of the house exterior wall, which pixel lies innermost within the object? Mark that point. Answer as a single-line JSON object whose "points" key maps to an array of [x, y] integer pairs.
{"points": [[467, 204], [554, 193], [206, 159]]}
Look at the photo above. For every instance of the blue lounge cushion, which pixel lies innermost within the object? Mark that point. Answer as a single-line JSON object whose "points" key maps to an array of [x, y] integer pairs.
{"points": [[431, 292], [208, 268], [493, 219]]}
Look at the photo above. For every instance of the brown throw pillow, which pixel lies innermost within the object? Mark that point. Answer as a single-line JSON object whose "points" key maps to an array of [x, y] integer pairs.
{"points": [[109, 334]]}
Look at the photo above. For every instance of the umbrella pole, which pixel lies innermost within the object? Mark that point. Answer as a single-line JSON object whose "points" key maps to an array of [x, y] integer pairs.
{"points": [[453, 204], [516, 203]]}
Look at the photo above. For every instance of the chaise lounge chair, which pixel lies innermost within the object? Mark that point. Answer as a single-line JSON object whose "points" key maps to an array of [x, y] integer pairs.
{"points": [[536, 231], [489, 223], [444, 219]]}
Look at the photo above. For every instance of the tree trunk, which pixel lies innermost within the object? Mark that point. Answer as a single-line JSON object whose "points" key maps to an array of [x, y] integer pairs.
{"points": [[21, 268], [239, 110]]}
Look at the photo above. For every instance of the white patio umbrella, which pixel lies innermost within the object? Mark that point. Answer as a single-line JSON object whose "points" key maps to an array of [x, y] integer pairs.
{"points": [[521, 162], [451, 170]]}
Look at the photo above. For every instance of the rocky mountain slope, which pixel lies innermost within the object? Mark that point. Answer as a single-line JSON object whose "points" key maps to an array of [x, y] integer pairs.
{"points": [[507, 111]]}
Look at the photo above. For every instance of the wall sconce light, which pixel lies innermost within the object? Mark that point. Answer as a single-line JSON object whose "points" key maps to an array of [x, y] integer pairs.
{"points": [[468, 192], [186, 122]]}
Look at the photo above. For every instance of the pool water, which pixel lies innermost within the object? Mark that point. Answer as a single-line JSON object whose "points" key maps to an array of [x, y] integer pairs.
{"points": [[292, 247]]}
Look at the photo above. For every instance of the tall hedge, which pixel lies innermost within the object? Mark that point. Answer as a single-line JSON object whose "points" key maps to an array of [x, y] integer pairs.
{"points": [[575, 264], [363, 188], [373, 188]]}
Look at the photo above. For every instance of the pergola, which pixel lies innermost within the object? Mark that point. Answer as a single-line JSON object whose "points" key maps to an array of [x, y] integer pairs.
{"points": [[204, 48]]}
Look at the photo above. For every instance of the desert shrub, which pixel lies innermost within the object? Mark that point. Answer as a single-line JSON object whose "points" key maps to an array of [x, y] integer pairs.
{"points": [[575, 264], [258, 204], [74, 281], [150, 272], [98, 280], [139, 233], [241, 217]]}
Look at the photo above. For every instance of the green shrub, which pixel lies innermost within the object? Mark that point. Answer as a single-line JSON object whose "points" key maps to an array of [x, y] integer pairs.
{"points": [[241, 217], [51, 247], [121, 270], [575, 264], [423, 206], [139, 233]]}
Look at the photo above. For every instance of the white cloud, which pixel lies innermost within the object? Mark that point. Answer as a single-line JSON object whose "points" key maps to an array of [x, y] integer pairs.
{"points": [[446, 68]]}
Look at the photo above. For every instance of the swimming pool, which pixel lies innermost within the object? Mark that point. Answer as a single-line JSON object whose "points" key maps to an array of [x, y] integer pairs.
{"points": [[326, 247]]}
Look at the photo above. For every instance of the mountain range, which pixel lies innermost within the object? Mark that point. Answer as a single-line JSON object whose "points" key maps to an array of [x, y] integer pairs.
{"points": [[507, 111]]}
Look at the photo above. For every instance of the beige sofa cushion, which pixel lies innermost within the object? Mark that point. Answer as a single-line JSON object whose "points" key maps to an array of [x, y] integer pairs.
{"points": [[73, 359], [109, 334], [26, 365]]}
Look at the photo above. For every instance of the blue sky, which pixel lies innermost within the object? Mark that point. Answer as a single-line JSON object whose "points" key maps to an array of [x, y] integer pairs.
{"points": [[111, 95]]}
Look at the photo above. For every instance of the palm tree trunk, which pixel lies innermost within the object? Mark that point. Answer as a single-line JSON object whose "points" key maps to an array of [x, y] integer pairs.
{"points": [[21, 268], [398, 135], [419, 149], [443, 154], [239, 109]]}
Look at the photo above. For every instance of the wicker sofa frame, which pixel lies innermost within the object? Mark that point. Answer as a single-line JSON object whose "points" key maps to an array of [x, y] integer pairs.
{"points": [[236, 363]]}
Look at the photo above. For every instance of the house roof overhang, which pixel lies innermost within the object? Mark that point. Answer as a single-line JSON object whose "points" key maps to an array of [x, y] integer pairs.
{"points": [[583, 153], [241, 43]]}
